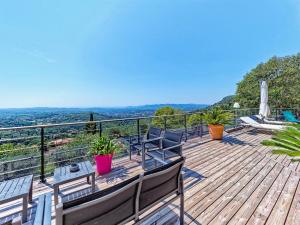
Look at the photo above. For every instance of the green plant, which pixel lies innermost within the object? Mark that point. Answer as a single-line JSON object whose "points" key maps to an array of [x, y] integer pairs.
{"points": [[286, 142], [104, 146], [195, 120], [174, 118], [217, 116]]}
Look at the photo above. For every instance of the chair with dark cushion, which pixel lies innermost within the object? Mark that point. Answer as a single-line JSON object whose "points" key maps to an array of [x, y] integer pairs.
{"points": [[171, 147], [161, 183], [110, 206], [151, 141]]}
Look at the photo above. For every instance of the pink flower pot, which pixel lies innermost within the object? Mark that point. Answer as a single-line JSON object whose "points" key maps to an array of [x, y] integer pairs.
{"points": [[103, 163]]}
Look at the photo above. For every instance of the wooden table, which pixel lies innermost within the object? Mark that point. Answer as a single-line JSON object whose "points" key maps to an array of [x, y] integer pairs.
{"points": [[21, 187], [63, 175]]}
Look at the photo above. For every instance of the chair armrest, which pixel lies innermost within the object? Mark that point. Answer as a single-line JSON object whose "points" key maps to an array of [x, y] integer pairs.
{"points": [[175, 146], [150, 140]]}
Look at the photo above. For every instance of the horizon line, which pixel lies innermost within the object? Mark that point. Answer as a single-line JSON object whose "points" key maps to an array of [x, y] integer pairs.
{"points": [[99, 107]]}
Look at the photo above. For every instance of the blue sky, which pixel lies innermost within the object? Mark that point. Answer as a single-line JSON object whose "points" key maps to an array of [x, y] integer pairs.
{"points": [[133, 52]]}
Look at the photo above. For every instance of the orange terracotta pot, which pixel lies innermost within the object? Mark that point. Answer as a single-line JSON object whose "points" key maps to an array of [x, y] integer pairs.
{"points": [[216, 131]]}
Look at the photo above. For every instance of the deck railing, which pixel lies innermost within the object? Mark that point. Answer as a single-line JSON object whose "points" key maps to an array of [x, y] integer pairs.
{"points": [[39, 149]]}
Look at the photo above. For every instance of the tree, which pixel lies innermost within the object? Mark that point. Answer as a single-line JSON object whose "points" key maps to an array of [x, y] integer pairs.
{"points": [[283, 76], [91, 127], [195, 120], [174, 117]]}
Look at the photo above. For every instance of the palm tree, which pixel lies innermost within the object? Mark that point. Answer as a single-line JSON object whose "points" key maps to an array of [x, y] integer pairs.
{"points": [[286, 142]]}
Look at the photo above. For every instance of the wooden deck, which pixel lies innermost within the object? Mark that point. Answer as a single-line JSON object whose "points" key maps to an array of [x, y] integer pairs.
{"points": [[236, 181]]}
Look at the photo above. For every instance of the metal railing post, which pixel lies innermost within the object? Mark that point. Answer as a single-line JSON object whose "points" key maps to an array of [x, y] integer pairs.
{"points": [[42, 174], [138, 130], [100, 129], [165, 123], [201, 126], [185, 127]]}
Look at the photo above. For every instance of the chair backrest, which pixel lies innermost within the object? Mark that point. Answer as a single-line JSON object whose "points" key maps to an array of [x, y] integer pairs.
{"points": [[172, 139], [160, 183], [154, 132], [110, 206], [289, 116]]}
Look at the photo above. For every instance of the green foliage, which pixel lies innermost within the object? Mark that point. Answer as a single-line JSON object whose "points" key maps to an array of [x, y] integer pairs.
{"points": [[5, 149], [13, 151], [104, 146], [174, 117], [144, 128], [226, 103], [283, 76], [115, 132], [81, 140], [91, 128], [217, 116], [195, 120], [286, 142]]}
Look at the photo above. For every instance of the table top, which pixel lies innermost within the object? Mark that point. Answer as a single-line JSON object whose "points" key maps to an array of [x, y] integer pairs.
{"points": [[15, 188], [63, 175]]}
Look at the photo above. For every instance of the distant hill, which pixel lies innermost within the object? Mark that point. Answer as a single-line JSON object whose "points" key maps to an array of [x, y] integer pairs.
{"points": [[184, 107], [226, 102], [105, 110], [45, 115]]}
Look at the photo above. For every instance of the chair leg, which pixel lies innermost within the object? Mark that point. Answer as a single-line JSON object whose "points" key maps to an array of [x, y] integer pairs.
{"points": [[143, 157], [30, 192], [25, 208], [181, 219]]}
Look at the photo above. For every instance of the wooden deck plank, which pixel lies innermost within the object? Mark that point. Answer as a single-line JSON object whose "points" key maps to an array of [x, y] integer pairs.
{"points": [[198, 192], [265, 207], [247, 206], [215, 203], [203, 189], [283, 204], [294, 213]]}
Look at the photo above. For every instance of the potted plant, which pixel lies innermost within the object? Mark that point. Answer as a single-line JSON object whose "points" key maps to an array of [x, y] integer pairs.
{"points": [[103, 150], [216, 119]]}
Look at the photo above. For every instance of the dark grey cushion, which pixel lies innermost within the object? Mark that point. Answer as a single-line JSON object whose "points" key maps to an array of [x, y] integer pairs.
{"points": [[157, 187], [172, 139], [154, 133], [111, 211], [173, 136]]}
